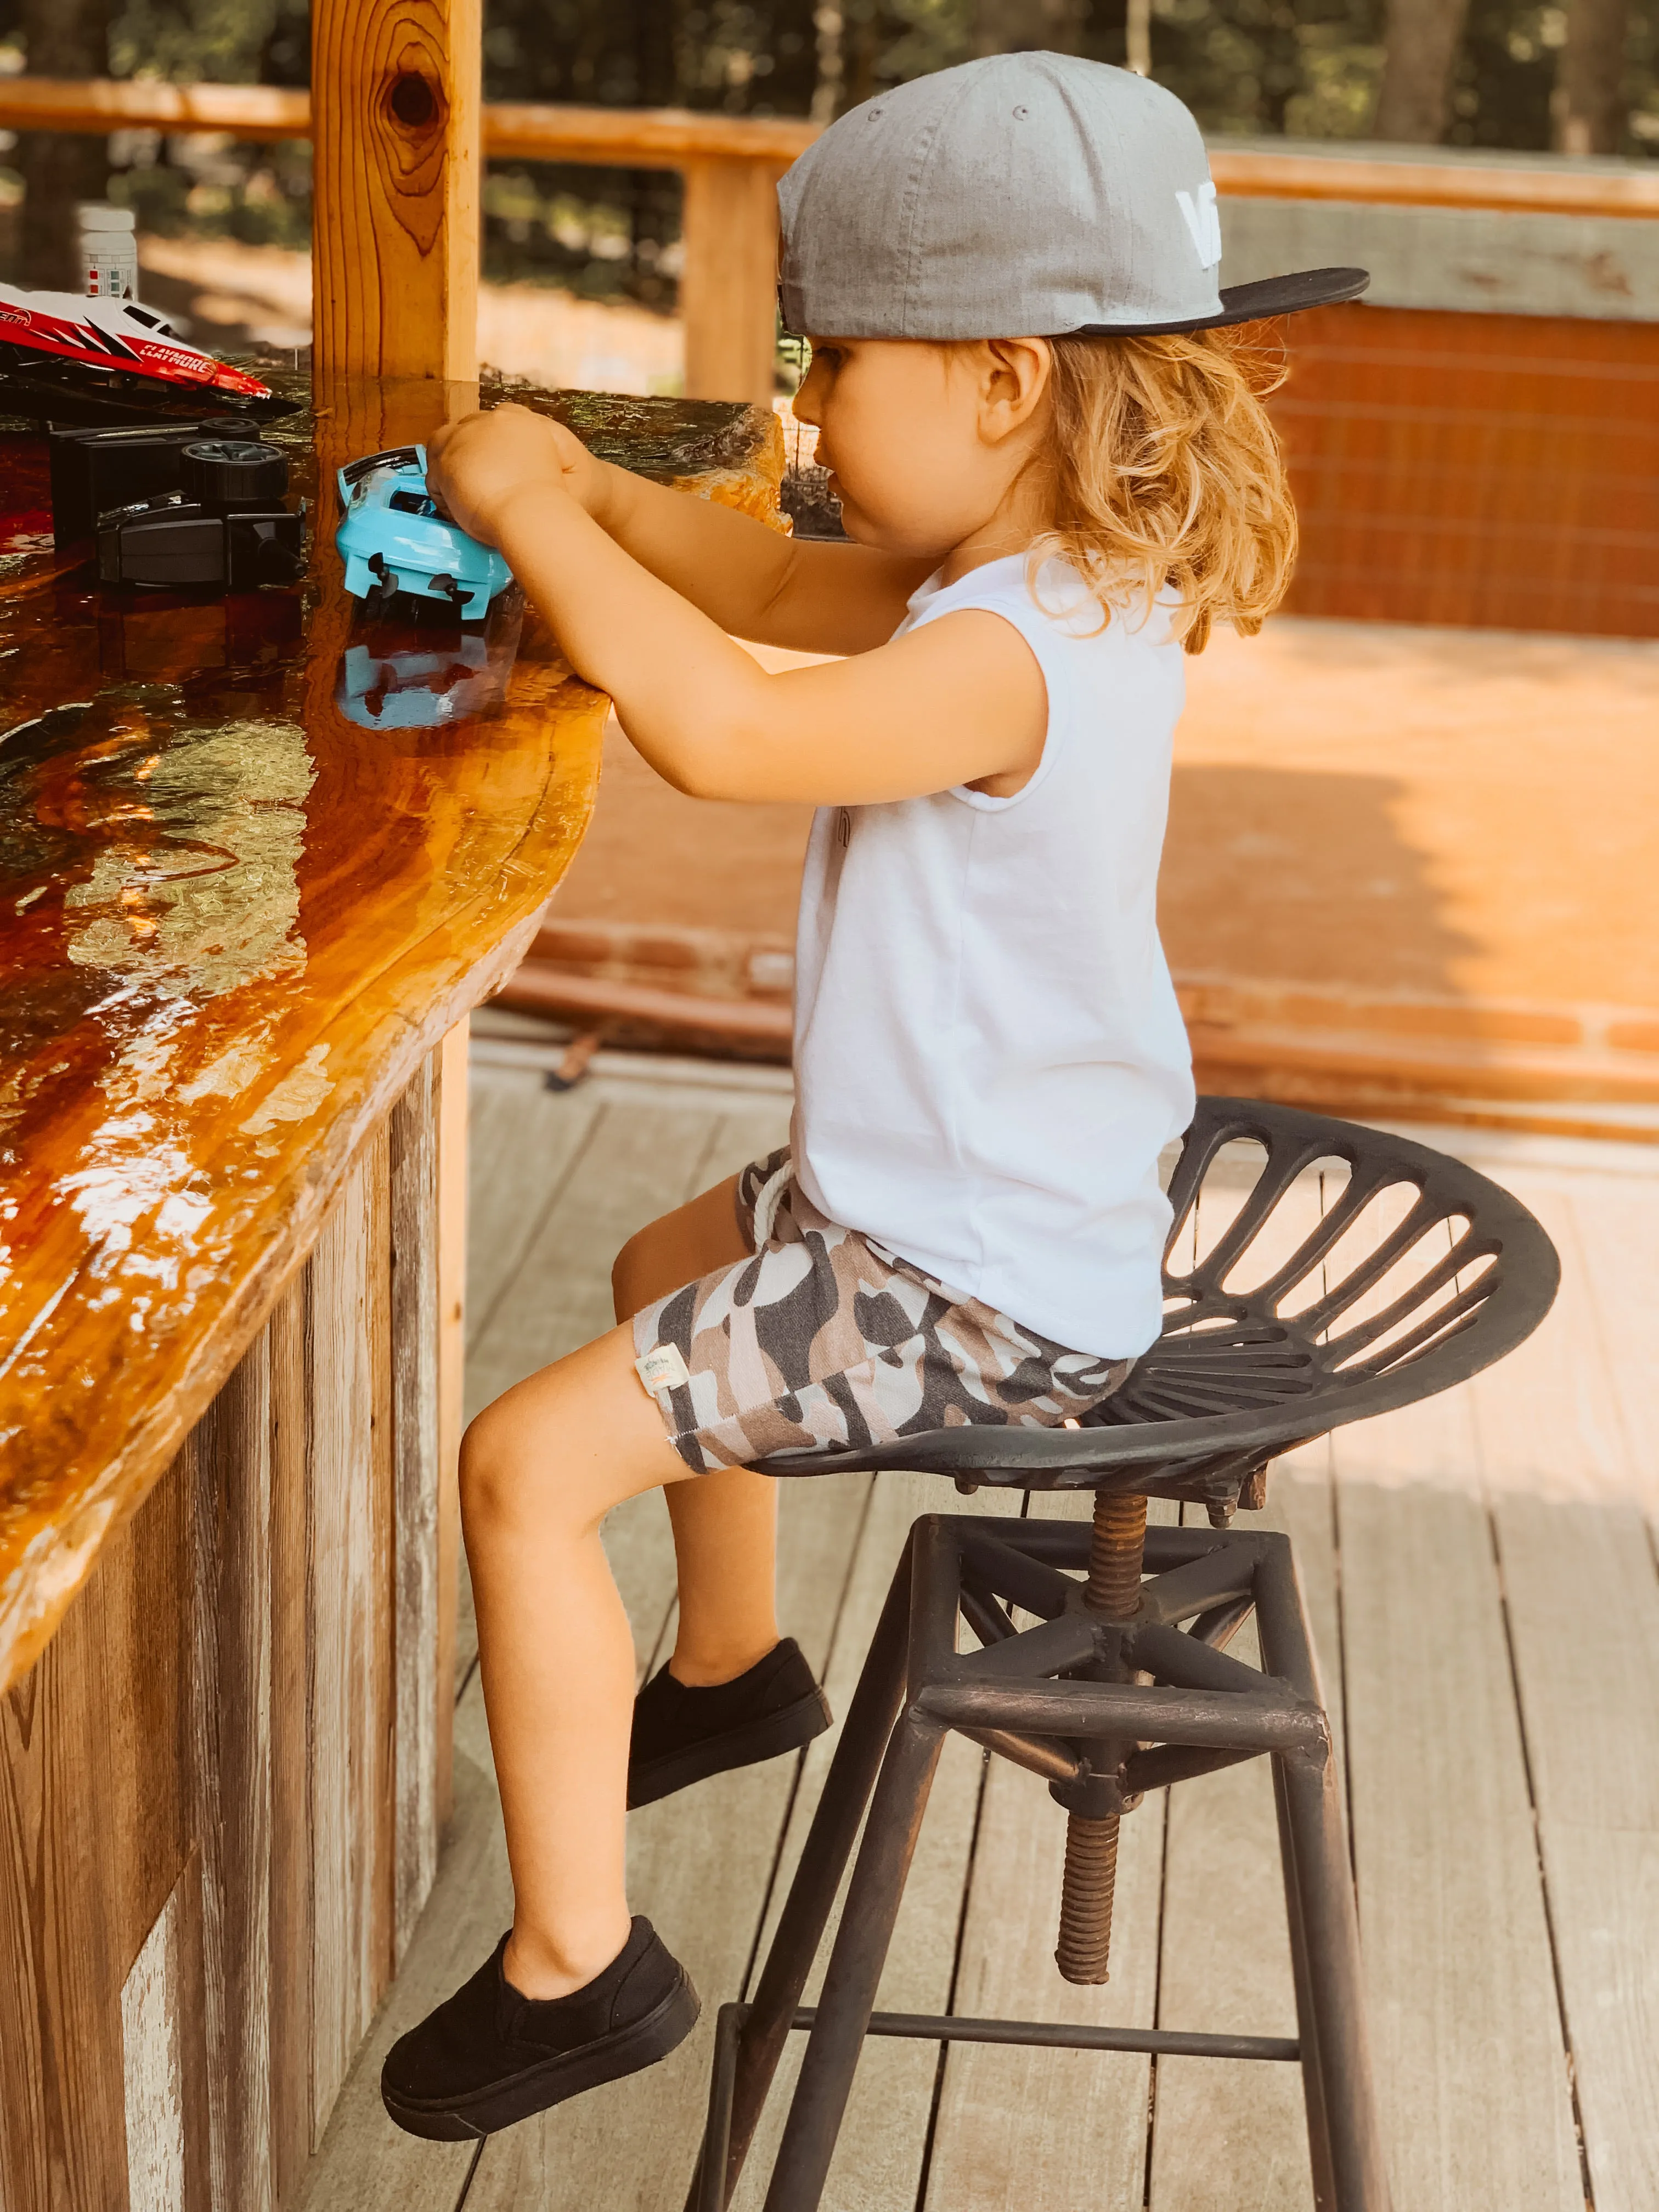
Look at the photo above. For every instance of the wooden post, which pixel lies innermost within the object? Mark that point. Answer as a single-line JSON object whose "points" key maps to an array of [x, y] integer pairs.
{"points": [[396, 102], [728, 287]]}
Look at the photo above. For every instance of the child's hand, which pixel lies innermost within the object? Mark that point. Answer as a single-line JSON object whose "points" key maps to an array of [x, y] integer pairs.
{"points": [[476, 466]]}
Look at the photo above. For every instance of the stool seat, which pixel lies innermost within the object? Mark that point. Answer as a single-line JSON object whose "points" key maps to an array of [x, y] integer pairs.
{"points": [[1409, 1273], [1264, 1346]]}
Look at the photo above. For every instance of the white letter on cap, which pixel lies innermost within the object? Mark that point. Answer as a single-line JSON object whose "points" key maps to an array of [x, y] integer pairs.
{"points": [[1203, 220]]}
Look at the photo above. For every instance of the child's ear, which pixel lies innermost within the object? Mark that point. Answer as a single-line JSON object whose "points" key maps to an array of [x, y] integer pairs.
{"points": [[1015, 380]]}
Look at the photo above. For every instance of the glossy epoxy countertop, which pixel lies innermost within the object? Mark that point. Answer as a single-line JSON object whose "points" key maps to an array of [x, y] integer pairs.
{"points": [[231, 922]]}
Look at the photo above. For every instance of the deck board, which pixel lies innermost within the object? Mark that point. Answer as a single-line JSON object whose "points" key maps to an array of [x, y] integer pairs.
{"points": [[523, 1143], [1551, 1417], [1606, 1882], [1232, 2132], [1472, 2074], [1046, 2130], [1584, 1606], [1617, 1248], [635, 1164], [1503, 1781], [1570, 1440]]}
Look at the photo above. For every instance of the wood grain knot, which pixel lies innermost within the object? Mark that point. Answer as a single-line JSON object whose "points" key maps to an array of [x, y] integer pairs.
{"points": [[412, 100]]}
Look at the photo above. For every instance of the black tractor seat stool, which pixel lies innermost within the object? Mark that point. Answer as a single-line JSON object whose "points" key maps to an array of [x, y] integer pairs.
{"points": [[1417, 1274]]}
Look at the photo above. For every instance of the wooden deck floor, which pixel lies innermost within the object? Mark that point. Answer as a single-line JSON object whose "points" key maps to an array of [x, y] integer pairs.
{"points": [[1481, 1575]]}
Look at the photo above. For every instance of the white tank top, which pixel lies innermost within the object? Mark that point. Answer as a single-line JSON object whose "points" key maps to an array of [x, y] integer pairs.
{"points": [[988, 1052]]}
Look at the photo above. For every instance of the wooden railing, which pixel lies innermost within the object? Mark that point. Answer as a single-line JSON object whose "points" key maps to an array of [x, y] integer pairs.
{"points": [[731, 164], [1259, 175], [673, 138]]}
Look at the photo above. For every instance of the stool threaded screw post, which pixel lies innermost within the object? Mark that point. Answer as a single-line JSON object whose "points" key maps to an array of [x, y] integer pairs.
{"points": [[1115, 1555], [1116, 1552]]}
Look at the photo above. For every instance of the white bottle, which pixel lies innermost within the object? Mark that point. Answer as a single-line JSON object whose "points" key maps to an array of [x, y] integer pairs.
{"points": [[109, 250]]}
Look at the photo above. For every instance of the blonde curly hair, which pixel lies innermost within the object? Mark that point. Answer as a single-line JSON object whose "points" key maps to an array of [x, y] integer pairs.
{"points": [[1166, 472]]}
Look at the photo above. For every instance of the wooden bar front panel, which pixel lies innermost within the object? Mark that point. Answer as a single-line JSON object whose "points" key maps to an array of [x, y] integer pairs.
{"points": [[1493, 471], [225, 1762]]}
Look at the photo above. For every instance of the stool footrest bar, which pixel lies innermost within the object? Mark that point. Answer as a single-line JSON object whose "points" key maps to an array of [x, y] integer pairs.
{"points": [[1062, 2035], [709, 2182]]}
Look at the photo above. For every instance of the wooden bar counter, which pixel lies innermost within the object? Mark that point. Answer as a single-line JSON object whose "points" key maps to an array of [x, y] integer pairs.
{"points": [[240, 933]]}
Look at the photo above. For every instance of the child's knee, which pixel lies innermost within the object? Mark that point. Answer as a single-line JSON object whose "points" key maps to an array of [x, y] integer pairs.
{"points": [[476, 1472], [496, 1488], [525, 1470]]}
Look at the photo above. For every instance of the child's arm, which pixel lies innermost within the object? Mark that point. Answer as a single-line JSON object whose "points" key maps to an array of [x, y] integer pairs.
{"points": [[960, 701], [753, 581]]}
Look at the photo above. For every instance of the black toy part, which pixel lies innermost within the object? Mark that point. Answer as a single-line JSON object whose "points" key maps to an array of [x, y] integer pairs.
{"points": [[225, 529], [176, 544], [233, 472], [395, 457], [94, 470]]}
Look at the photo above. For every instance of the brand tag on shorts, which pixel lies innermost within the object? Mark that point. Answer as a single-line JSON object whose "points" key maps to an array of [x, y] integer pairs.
{"points": [[664, 1369]]}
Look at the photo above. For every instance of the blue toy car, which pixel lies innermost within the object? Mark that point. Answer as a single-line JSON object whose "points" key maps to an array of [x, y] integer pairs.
{"points": [[394, 539]]}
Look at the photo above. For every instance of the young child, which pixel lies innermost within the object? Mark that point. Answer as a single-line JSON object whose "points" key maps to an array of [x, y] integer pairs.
{"points": [[1054, 480]]}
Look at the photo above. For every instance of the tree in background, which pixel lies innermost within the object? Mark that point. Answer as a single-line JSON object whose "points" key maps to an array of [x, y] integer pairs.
{"points": [[1589, 105], [1421, 41], [1307, 69], [1020, 27], [1505, 75]]}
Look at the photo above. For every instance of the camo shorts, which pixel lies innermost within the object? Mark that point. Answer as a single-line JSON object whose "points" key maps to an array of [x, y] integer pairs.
{"points": [[824, 1341]]}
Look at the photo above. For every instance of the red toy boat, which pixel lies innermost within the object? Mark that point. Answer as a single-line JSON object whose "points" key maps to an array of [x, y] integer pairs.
{"points": [[64, 359]]}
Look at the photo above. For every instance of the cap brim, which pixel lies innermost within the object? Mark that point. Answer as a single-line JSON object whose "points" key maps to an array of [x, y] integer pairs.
{"points": [[1250, 303]]}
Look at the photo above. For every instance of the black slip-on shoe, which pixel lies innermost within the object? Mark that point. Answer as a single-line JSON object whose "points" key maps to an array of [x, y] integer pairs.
{"points": [[683, 1735], [488, 2057]]}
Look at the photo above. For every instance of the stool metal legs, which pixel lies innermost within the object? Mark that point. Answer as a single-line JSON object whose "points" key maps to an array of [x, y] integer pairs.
{"points": [[855, 1965], [1330, 2000], [1047, 1697], [834, 1828]]}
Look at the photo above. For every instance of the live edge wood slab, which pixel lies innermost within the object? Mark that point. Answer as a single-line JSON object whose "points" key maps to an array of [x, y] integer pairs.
{"points": [[237, 929]]}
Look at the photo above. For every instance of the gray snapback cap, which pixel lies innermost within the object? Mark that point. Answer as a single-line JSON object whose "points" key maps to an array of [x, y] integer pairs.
{"points": [[1023, 195]]}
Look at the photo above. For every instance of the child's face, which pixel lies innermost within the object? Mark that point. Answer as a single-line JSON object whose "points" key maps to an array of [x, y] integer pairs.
{"points": [[926, 443]]}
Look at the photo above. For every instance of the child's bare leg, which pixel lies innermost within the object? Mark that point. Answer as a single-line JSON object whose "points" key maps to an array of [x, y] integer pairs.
{"points": [[725, 1525], [725, 1541], [578, 1993], [540, 1469]]}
